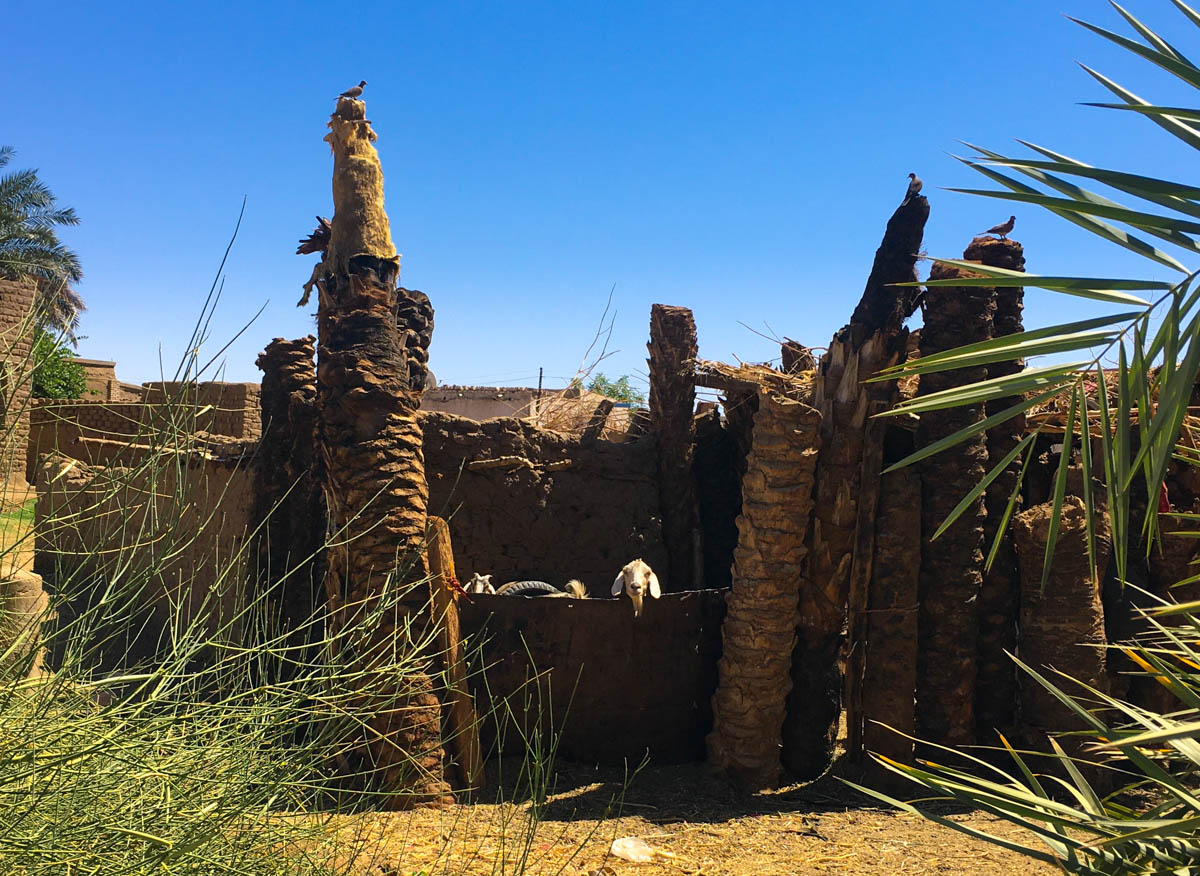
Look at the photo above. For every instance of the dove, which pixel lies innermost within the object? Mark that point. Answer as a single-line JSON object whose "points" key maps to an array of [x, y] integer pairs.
{"points": [[356, 91], [914, 188], [1003, 228]]}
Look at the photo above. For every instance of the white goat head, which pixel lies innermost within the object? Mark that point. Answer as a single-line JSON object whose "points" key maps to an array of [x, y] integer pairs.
{"points": [[480, 584], [637, 580]]}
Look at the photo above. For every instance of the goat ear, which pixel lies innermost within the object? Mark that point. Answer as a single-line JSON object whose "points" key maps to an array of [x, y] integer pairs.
{"points": [[619, 584], [655, 590]]}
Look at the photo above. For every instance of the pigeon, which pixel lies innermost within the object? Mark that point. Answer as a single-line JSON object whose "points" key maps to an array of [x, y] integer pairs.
{"points": [[1003, 228], [355, 91], [914, 188]]}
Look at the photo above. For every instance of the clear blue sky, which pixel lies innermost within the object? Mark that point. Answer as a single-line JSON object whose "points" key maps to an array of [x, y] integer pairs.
{"points": [[738, 158]]}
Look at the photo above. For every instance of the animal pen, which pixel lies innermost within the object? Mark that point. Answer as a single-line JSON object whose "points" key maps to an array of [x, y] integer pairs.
{"points": [[801, 583]]}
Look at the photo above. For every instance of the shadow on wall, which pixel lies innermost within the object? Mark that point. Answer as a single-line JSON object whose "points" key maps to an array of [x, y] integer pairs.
{"points": [[615, 686]]}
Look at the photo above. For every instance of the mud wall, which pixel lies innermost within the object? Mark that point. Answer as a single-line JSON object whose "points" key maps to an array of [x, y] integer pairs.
{"points": [[524, 503], [233, 408], [16, 338], [186, 523], [616, 687], [172, 531], [81, 429]]}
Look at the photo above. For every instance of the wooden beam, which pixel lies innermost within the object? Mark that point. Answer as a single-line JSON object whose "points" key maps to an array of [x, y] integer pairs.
{"points": [[462, 722]]}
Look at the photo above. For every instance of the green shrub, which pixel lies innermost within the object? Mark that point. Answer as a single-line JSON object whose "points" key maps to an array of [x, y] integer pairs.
{"points": [[56, 374], [619, 390]]}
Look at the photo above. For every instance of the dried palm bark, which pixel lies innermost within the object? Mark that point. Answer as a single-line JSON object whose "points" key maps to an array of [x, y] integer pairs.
{"points": [[951, 566], [672, 361], [890, 644], [843, 520], [759, 631], [289, 504], [370, 372], [1062, 626], [996, 685]]}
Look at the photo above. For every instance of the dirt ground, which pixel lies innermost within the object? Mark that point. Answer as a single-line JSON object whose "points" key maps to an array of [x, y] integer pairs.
{"points": [[698, 826]]}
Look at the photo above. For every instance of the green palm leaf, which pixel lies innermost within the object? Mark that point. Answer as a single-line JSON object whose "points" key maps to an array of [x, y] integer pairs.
{"points": [[1088, 223], [1120, 214]]}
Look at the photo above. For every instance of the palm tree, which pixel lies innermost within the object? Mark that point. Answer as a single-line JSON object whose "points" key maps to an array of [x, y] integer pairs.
{"points": [[30, 248]]}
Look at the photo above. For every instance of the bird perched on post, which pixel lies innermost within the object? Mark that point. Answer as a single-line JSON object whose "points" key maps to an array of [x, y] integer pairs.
{"points": [[914, 188], [1003, 228], [356, 91]]}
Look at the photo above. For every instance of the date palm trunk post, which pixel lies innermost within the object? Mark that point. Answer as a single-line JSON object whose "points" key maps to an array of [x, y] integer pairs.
{"points": [[370, 373]]}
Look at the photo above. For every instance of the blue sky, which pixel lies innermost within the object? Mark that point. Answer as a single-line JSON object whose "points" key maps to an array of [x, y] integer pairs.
{"points": [[741, 159]]}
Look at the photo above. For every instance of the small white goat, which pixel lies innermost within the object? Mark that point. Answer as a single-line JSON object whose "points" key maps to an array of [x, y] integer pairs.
{"points": [[637, 580], [480, 584]]}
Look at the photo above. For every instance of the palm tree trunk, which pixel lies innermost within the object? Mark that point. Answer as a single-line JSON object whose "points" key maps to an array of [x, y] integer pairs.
{"points": [[951, 566], [996, 685], [759, 631], [289, 505], [890, 662], [672, 402], [874, 339], [370, 447]]}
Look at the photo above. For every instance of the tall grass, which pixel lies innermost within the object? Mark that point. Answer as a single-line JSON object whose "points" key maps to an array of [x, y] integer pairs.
{"points": [[176, 727]]}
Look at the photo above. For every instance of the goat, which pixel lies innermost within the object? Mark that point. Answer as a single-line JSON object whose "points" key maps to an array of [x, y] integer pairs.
{"points": [[637, 580], [480, 584]]}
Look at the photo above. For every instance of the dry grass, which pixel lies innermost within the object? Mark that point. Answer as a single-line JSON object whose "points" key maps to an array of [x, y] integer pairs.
{"points": [[697, 823]]}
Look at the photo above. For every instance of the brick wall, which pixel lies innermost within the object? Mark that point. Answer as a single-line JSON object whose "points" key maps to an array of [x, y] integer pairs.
{"points": [[86, 430], [103, 385], [526, 503], [234, 409], [16, 337], [174, 529]]}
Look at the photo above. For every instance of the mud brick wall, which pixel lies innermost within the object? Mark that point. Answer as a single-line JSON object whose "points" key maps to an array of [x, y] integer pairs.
{"points": [[176, 529], [61, 425], [612, 687], [103, 385], [230, 409], [526, 503], [234, 406], [16, 338]]}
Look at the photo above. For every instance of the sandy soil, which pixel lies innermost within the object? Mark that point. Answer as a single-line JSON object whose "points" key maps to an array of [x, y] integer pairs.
{"points": [[696, 824]]}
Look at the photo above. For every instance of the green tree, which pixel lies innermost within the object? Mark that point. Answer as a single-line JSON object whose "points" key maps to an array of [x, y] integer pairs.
{"points": [[620, 389], [56, 374], [30, 248], [1150, 353]]}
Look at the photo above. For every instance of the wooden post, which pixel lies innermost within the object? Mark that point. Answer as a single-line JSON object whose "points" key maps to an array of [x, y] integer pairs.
{"points": [[372, 362], [889, 644], [951, 565], [759, 631], [847, 473], [999, 595], [462, 721], [672, 365], [860, 576]]}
